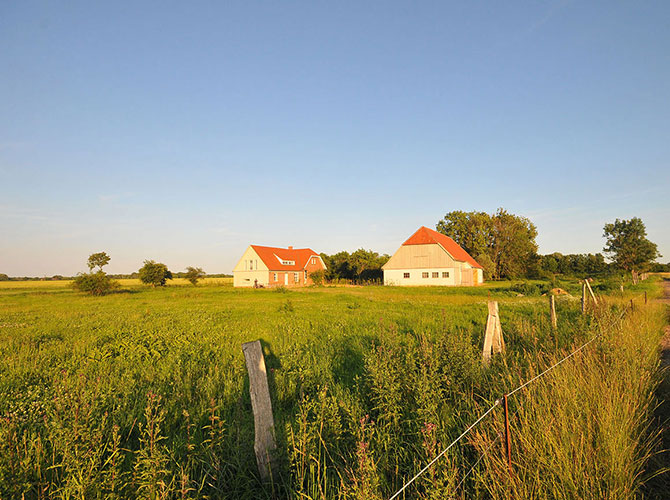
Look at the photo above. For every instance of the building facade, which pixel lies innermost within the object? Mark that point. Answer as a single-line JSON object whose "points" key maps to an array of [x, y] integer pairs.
{"points": [[429, 258]]}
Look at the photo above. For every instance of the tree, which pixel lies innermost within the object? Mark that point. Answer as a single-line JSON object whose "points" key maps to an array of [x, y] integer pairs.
{"points": [[317, 277], [97, 283], [628, 246], [193, 274], [504, 242], [154, 273], [4, 277], [98, 260]]}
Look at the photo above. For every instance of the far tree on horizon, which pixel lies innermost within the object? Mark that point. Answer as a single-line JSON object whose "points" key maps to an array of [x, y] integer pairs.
{"points": [[98, 260], [95, 283], [154, 273], [627, 245], [193, 274]]}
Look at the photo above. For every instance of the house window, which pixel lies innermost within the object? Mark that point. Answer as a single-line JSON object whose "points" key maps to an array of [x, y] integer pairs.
{"points": [[436, 274], [274, 276], [445, 274], [405, 275], [305, 276], [296, 278], [424, 275], [288, 262]]}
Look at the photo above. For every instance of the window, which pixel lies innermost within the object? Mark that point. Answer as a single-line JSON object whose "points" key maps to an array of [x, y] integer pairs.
{"points": [[296, 278], [305, 276], [405, 275], [251, 265], [274, 276], [313, 261], [424, 275], [288, 262], [436, 274], [445, 274]]}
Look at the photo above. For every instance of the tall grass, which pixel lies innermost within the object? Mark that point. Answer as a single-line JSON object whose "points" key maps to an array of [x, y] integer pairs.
{"points": [[144, 394], [583, 431]]}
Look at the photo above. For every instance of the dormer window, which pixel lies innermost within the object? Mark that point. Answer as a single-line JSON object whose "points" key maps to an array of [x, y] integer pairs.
{"points": [[288, 262]]}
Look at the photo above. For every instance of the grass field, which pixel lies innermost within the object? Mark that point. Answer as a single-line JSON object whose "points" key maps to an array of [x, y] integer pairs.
{"points": [[143, 393]]}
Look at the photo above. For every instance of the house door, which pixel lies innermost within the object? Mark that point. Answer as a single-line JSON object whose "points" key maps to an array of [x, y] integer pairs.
{"points": [[285, 278], [466, 277]]}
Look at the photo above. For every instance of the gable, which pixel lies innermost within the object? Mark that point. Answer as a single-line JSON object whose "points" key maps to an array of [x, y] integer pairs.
{"points": [[423, 256]]}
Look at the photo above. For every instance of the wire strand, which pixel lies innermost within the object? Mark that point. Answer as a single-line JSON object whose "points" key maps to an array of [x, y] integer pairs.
{"points": [[465, 432]]}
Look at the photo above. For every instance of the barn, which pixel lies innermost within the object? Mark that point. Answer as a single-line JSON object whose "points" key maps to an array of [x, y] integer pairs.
{"points": [[429, 258], [273, 266]]}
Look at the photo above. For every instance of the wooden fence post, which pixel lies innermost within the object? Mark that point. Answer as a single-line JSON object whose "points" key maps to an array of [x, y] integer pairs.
{"points": [[264, 428], [493, 337], [583, 298], [645, 298], [593, 295], [552, 310]]}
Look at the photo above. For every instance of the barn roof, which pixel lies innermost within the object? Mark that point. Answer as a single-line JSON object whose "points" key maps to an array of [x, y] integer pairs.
{"points": [[272, 257], [425, 236]]}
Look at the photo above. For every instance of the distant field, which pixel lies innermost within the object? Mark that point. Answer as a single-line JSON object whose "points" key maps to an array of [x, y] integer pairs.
{"points": [[42, 284], [143, 393]]}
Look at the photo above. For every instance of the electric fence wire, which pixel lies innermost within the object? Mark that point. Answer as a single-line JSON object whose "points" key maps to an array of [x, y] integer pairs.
{"points": [[497, 402]]}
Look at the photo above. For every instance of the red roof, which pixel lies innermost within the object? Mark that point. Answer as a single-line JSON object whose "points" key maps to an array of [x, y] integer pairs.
{"points": [[272, 257], [425, 236]]}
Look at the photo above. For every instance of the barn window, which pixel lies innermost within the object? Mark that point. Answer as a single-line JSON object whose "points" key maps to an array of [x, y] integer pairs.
{"points": [[445, 274], [424, 275], [405, 275], [436, 274], [296, 278], [251, 265]]}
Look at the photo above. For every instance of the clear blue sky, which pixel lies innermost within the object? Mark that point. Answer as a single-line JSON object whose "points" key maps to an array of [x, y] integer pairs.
{"points": [[184, 131]]}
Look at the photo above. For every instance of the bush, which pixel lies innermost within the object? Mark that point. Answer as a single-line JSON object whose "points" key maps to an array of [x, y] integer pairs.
{"points": [[154, 273], [317, 277], [94, 283], [193, 274], [530, 289]]}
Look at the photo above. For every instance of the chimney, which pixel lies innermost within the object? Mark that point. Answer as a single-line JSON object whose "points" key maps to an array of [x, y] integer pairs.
{"points": [[290, 247]]}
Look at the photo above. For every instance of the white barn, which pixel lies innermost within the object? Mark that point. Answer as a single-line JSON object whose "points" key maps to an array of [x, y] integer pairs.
{"points": [[429, 258]]}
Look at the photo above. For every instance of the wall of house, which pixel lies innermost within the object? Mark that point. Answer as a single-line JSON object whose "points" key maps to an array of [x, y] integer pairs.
{"points": [[249, 269], [396, 277]]}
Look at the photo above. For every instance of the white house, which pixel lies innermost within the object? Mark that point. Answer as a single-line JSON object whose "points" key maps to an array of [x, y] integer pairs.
{"points": [[429, 258]]}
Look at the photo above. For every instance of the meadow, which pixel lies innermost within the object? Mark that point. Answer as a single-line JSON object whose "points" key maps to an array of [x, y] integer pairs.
{"points": [[144, 394]]}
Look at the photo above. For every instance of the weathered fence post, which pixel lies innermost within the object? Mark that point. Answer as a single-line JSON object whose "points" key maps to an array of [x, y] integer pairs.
{"points": [[552, 310], [645, 298], [593, 295], [632, 307], [264, 428], [493, 337], [583, 298]]}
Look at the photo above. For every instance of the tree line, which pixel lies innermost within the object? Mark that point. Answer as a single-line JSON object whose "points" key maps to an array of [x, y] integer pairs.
{"points": [[504, 245]]}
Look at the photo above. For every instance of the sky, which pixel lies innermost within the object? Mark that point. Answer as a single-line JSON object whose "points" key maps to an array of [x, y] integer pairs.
{"points": [[185, 131]]}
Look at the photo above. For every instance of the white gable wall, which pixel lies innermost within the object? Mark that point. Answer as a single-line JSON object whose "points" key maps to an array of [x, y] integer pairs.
{"points": [[249, 269]]}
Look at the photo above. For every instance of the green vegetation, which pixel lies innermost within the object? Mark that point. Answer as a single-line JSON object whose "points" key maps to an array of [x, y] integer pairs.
{"points": [[144, 394], [154, 273], [194, 274], [502, 243], [628, 245], [361, 266], [97, 283]]}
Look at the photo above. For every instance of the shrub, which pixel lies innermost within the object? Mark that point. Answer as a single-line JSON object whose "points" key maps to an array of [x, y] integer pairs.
{"points": [[154, 273], [529, 289], [193, 274], [317, 277], [94, 283]]}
